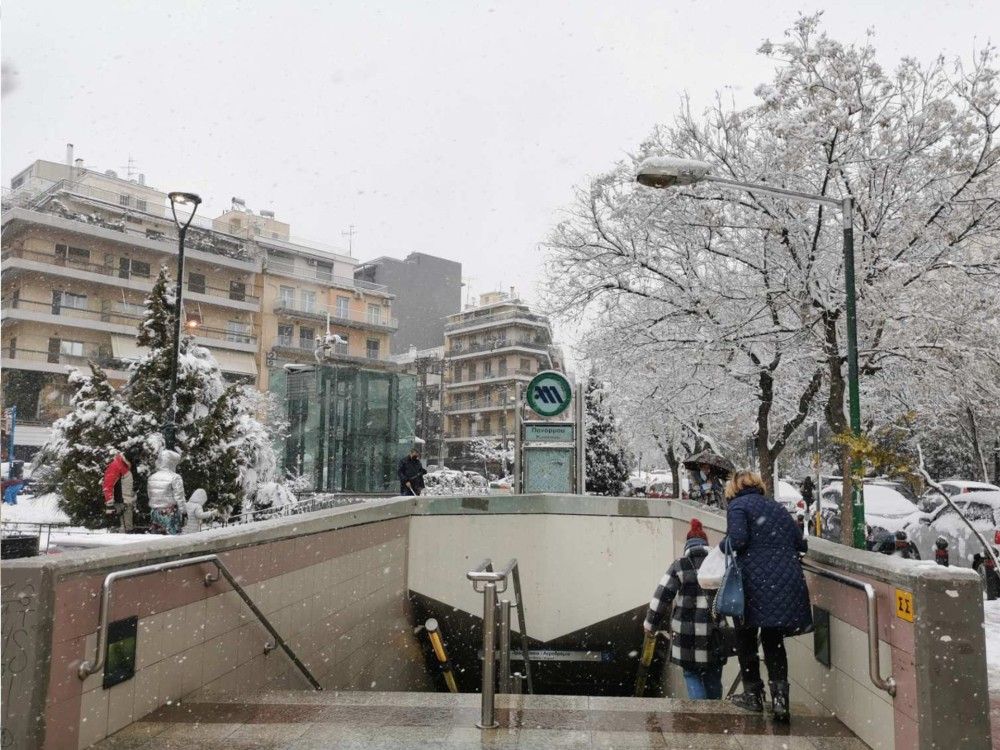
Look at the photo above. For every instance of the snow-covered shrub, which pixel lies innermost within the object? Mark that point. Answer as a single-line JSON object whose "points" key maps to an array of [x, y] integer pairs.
{"points": [[451, 482]]}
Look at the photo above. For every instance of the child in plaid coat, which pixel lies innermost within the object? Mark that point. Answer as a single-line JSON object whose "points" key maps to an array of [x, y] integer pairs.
{"points": [[694, 644]]}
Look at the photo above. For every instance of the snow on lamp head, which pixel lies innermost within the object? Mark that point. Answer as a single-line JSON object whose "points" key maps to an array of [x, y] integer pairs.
{"points": [[668, 171]]}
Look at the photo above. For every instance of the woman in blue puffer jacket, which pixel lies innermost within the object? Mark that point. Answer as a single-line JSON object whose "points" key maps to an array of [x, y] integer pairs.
{"points": [[767, 542]]}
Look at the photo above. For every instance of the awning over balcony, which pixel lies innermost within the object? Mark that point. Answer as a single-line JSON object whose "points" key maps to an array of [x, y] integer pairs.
{"points": [[238, 363]]}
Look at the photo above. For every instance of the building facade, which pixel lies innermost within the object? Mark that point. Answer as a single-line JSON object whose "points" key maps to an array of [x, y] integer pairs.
{"points": [[491, 351], [428, 367], [82, 248], [427, 290]]}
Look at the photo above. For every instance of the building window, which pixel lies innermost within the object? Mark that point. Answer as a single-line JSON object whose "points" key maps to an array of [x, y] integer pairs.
{"points": [[286, 296], [65, 253], [237, 291], [375, 314], [307, 338], [324, 271], [130, 309], [70, 348], [140, 268], [487, 368], [196, 283], [124, 200], [526, 365], [12, 347], [238, 332], [343, 311], [503, 366], [308, 301], [371, 348], [344, 348], [124, 268], [75, 301], [472, 371], [486, 425], [140, 204], [286, 334]]}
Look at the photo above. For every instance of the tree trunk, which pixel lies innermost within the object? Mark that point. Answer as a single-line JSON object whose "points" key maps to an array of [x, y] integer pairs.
{"points": [[674, 462], [976, 447], [835, 418], [765, 454]]}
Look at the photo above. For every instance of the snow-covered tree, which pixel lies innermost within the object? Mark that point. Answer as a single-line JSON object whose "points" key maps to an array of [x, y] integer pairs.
{"points": [[744, 291], [607, 458], [492, 454]]}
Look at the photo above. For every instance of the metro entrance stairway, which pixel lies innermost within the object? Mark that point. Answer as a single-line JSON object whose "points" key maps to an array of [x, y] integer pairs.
{"points": [[303, 720]]}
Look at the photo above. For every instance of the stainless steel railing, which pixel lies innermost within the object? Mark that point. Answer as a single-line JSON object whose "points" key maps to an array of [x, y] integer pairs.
{"points": [[490, 583], [90, 667], [888, 684]]}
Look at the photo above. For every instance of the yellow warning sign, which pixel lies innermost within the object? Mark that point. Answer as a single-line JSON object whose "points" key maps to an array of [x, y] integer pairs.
{"points": [[904, 605]]}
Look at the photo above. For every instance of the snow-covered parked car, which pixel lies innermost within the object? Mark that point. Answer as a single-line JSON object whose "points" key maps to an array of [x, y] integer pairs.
{"points": [[502, 486], [886, 509], [964, 549], [790, 498], [932, 500]]}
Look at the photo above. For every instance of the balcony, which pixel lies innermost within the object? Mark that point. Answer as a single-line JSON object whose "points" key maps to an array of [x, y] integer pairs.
{"points": [[109, 320], [297, 349], [495, 346], [58, 362], [20, 259], [338, 316], [509, 315], [320, 277], [479, 404], [492, 377]]}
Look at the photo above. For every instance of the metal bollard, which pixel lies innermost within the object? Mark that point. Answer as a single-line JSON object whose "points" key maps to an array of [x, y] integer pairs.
{"points": [[517, 683], [505, 646], [487, 720]]}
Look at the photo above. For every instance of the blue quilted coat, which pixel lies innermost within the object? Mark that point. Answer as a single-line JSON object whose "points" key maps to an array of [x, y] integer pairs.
{"points": [[767, 542]]}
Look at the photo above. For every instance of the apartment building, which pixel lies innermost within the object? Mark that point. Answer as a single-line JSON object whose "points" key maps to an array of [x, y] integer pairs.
{"points": [[490, 350], [82, 248], [427, 290]]}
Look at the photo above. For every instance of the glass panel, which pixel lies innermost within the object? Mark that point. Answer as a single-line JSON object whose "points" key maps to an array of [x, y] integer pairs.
{"points": [[196, 283], [308, 301]]}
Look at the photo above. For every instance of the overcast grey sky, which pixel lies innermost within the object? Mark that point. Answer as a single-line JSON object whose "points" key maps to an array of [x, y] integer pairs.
{"points": [[453, 128]]}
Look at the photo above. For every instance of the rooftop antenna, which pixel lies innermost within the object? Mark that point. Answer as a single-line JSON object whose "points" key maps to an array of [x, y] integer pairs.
{"points": [[467, 283], [131, 170], [349, 234]]}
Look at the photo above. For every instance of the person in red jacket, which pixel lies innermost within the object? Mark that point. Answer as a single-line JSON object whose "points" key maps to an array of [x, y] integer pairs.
{"points": [[119, 487]]}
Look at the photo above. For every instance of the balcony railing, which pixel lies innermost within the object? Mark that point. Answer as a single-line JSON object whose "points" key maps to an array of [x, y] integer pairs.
{"points": [[130, 320], [341, 351], [497, 345], [496, 318], [481, 377], [90, 354], [479, 403], [46, 197], [246, 295], [337, 315]]}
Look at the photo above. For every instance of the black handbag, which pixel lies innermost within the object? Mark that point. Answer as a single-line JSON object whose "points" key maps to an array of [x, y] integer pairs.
{"points": [[725, 639]]}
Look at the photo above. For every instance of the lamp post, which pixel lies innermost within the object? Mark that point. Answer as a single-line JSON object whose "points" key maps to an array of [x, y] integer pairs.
{"points": [[183, 199], [667, 172]]}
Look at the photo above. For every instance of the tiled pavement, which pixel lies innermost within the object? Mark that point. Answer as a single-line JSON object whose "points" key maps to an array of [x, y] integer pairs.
{"points": [[287, 720]]}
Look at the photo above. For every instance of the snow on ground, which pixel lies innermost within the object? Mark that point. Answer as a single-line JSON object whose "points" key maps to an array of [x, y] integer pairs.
{"points": [[29, 509], [992, 610]]}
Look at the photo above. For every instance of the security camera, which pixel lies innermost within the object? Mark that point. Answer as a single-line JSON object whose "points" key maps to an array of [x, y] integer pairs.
{"points": [[292, 368]]}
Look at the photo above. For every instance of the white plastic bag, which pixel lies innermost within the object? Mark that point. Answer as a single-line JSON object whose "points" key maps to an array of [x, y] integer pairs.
{"points": [[713, 567]]}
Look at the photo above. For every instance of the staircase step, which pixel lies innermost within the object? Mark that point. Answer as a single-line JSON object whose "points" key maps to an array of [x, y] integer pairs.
{"points": [[301, 720]]}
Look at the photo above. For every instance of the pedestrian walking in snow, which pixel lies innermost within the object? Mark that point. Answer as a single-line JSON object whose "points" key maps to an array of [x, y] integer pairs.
{"points": [[709, 472], [166, 495], [411, 474], [694, 635], [767, 543], [196, 512], [119, 487], [808, 489]]}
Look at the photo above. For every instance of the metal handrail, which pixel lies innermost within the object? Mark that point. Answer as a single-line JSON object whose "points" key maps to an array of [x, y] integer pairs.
{"points": [[88, 668], [489, 583], [874, 674]]}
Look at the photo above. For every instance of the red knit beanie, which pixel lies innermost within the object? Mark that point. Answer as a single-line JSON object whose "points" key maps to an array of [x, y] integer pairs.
{"points": [[696, 530]]}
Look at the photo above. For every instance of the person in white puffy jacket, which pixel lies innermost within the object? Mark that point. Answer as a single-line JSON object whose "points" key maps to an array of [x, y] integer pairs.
{"points": [[196, 512], [166, 495]]}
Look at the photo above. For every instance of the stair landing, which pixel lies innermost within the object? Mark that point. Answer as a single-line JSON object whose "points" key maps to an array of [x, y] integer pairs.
{"points": [[296, 720]]}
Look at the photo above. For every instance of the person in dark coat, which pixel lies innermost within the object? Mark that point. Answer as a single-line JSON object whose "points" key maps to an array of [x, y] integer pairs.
{"points": [[694, 638], [808, 490], [411, 474], [767, 543]]}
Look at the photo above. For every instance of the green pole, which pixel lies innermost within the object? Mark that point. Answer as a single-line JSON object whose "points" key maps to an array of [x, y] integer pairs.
{"points": [[857, 494]]}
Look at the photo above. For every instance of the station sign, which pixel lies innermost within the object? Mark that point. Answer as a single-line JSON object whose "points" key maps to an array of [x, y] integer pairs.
{"points": [[549, 393], [549, 433]]}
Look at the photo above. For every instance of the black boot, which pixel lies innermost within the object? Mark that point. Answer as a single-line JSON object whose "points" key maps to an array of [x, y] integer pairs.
{"points": [[779, 702], [750, 700]]}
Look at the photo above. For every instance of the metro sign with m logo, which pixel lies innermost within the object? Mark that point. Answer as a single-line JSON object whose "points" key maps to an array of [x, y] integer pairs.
{"points": [[549, 393]]}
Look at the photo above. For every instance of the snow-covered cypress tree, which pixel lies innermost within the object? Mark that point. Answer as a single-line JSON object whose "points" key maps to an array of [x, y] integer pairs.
{"points": [[607, 458], [100, 425], [212, 459]]}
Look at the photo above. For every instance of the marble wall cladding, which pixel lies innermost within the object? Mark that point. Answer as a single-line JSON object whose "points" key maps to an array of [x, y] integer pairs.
{"points": [[338, 599]]}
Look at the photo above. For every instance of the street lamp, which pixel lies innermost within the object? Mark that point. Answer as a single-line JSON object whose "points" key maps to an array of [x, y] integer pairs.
{"points": [[667, 171], [192, 200]]}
